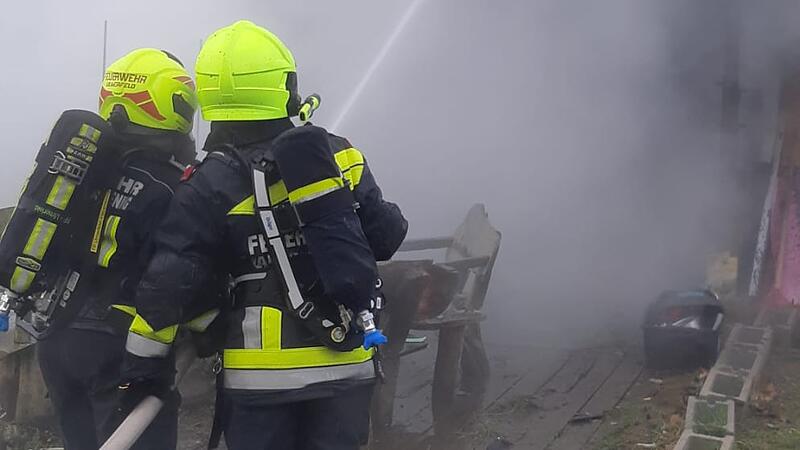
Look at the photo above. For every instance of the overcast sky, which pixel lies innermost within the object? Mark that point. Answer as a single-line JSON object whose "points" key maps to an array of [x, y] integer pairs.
{"points": [[588, 128]]}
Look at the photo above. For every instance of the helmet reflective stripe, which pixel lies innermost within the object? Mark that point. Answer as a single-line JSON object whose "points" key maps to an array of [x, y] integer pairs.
{"points": [[244, 72], [154, 89]]}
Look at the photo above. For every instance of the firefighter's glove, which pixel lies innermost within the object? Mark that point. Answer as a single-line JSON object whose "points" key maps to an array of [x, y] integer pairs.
{"points": [[130, 394], [142, 377], [374, 338]]}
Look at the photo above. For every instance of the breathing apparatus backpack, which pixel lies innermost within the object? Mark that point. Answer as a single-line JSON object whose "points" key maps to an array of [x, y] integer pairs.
{"points": [[340, 310], [49, 246]]}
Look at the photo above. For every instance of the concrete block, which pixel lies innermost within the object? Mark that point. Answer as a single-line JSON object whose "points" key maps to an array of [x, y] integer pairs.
{"points": [[739, 365], [721, 385], [710, 417], [783, 322], [741, 358], [743, 334], [693, 441]]}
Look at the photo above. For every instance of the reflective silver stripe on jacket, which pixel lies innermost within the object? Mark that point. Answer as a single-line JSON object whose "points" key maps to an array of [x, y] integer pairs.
{"points": [[285, 379], [251, 327], [249, 277], [146, 348]]}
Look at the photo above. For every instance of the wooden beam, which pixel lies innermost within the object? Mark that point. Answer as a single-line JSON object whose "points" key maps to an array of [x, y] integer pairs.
{"points": [[413, 245]]}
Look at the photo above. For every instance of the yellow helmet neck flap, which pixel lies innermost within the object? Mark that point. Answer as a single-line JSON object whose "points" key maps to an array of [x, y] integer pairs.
{"points": [[153, 88], [246, 73]]}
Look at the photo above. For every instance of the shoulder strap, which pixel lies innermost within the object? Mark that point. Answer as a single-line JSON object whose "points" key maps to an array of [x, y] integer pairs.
{"points": [[256, 165], [277, 249]]}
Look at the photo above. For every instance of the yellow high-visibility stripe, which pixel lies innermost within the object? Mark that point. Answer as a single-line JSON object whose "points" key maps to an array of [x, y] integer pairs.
{"points": [[39, 239], [83, 144], [354, 176], [245, 208], [21, 280], [348, 157], [277, 193], [351, 163], [110, 245], [129, 310], [272, 356], [142, 328], [292, 358], [270, 328], [315, 190], [89, 132], [101, 218], [61, 193]]}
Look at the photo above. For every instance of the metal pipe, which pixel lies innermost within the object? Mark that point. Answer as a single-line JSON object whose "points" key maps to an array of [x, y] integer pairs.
{"points": [[105, 47]]}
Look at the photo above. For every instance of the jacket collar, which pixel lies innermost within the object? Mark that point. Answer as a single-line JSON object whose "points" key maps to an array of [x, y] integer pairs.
{"points": [[243, 134]]}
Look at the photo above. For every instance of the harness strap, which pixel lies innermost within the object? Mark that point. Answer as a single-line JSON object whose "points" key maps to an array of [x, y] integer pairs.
{"points": [[220, 410], [264, 208]]}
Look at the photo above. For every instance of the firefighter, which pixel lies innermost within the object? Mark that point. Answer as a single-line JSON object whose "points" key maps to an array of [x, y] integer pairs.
{"points": [[150, 100], [297, 364]]}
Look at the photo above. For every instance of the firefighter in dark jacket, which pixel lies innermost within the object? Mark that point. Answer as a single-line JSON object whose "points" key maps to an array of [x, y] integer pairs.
{"points": [[151, 115], [295, 217]]}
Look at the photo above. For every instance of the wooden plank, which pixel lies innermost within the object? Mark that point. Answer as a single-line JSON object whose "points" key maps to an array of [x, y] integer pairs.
{"points": [[414, 245], [413, 399], [9, 386], [577, 435], [559, 405], [32, 403], [454, 319], [509, 365], [405, 284], [445, 378], [416, 369], [463, 264], [511, 414]]}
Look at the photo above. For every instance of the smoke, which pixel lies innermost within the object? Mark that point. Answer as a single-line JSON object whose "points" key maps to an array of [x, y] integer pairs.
{"points": [[591, 130]]}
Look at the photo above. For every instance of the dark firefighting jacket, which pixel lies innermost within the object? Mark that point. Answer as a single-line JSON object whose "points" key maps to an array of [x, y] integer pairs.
{"points": [[211, 228], [139, 198]]}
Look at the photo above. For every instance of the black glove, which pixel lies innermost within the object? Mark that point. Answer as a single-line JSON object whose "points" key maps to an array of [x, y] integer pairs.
{"points": [[139, 379], [143, 377]]}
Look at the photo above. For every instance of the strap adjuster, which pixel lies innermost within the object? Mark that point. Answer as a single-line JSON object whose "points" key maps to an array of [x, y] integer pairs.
{"points": [[75, 169]]}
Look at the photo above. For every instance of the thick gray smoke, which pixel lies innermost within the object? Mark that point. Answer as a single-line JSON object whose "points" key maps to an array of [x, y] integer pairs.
{"points": [[591, 130]]}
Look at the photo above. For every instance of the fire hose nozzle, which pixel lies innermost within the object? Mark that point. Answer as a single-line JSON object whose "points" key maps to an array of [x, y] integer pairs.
{"points": [[373, 337]]}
